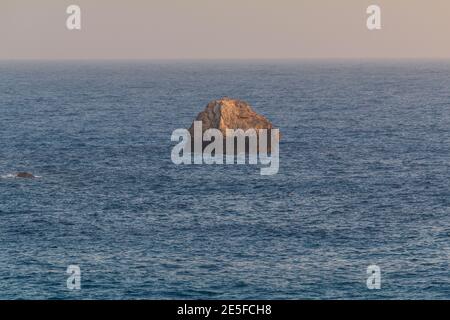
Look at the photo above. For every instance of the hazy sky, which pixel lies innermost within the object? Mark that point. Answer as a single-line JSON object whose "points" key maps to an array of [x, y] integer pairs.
{"points": [[168, 29]]}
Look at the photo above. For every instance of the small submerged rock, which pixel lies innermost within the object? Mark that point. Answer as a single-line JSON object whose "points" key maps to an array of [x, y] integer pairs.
{"points": [[26, 175]]}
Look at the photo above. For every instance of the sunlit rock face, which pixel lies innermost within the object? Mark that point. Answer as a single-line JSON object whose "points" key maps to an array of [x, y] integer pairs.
{"points": [[227, 113]]}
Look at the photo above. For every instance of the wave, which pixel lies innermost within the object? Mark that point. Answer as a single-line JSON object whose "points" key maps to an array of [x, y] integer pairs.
{"points": [[6, 176], [13, 175]]}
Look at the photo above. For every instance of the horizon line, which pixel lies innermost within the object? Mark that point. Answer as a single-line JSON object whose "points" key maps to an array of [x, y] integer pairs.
{"points": [[233, 59]]}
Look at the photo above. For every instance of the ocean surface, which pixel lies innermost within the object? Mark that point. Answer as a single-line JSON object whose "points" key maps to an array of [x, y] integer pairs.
{"points": [[364, 180]]}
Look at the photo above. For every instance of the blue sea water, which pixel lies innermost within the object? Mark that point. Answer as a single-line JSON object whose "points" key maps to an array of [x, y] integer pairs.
{"points": [[364, 179]]}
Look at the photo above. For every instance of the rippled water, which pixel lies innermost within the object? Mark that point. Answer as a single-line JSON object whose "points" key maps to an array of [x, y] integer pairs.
{"points": [[364, 179]]}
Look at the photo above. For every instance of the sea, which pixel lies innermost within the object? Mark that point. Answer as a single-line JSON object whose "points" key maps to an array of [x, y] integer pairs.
{"points": [[363, 181]]}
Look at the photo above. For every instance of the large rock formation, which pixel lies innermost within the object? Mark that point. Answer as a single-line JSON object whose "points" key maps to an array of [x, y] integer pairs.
{"points": [[229, 113]]}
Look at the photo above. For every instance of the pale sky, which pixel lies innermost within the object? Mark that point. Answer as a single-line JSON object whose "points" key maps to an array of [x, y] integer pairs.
{"points": [[224, 29]]}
